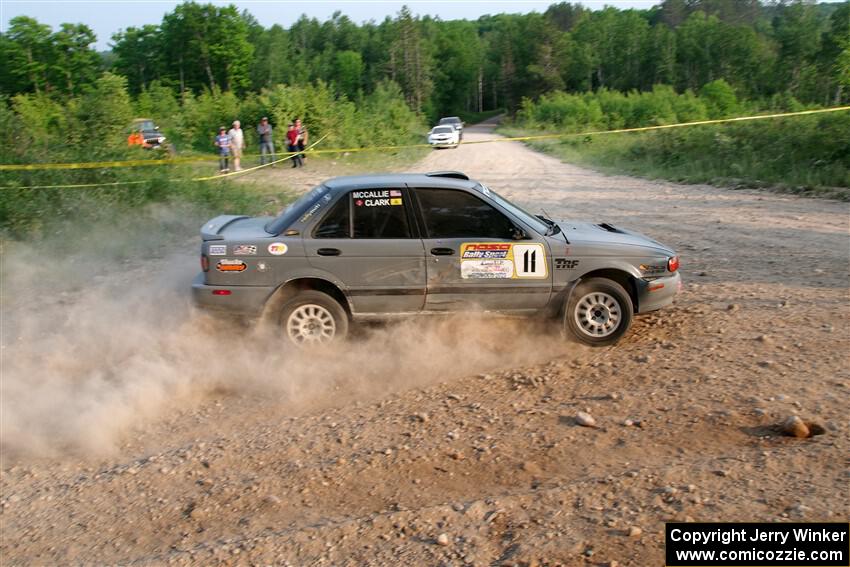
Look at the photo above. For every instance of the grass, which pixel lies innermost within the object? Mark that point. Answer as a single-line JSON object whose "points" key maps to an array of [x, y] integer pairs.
{"points": [[807, 156], [34, 214]]}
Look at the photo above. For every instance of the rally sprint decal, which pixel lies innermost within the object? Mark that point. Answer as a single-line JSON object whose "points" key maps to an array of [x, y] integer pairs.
{"points": [[499, 260]]}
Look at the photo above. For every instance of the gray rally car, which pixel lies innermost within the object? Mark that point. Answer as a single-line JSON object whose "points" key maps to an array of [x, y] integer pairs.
{"points": [[381, 246]]}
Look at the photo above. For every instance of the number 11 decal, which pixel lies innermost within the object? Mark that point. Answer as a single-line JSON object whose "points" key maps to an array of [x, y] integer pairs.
{"points": [[529, 260]]}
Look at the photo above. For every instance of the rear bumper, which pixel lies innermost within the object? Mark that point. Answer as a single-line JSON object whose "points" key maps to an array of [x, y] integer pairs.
{"points": [[243, 300], [657, 293]]}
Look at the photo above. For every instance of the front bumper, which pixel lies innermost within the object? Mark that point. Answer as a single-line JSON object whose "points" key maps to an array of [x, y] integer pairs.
{"points": [[658, 292], [245, 300], [442, 143]]}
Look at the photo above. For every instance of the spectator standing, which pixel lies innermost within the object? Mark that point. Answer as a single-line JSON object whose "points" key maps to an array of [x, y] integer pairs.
{"points": [[237, 144], [292, 140], [264, 130], [222, 142], [302, 138]]}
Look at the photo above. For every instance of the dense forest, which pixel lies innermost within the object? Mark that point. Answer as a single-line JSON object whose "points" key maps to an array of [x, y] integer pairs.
{"points": [[446, 67]]}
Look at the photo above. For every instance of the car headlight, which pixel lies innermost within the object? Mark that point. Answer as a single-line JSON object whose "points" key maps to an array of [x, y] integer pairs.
{"points": [[160, 140]]}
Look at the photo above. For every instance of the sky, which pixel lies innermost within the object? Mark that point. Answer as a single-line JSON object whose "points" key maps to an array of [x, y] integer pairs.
{"points": [[106, 17]]}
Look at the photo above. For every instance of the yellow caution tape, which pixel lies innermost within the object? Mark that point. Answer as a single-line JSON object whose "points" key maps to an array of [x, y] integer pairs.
{"points": [[101, 164], [77, 185], [289, 155], [667, 126], [120, 163]]}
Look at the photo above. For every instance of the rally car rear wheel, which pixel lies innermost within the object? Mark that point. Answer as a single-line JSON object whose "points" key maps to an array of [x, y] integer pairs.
{"points": [[313, 318], [599, 312]]}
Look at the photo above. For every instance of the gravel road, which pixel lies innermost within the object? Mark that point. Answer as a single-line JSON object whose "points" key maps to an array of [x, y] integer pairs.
{"points": [[140, 432]]}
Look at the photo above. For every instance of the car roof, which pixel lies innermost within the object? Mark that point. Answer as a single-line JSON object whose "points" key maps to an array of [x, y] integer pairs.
{"points": [[453, 118], [395, 179]]}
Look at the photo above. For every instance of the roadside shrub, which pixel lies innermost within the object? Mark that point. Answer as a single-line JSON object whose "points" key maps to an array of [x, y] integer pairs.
{"points": [[720, 99], [797, 152], [94, 125]]}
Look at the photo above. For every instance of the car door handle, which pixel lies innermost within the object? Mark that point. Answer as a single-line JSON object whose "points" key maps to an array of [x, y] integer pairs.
{"points": [[442, 251], [328, 252]]}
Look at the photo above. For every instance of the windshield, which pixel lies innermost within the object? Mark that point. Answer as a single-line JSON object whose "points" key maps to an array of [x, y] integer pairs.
{"points": [[442, 130], [295, 210], [531, 220], [453, 120]]}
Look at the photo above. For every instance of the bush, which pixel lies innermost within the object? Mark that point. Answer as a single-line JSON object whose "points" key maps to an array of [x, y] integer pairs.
{"points": [[94, 126], [804, 151], [719, 99]]}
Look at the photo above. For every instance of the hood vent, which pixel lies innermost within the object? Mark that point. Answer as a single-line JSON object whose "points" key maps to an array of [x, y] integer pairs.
{"points": [[607, 227]]}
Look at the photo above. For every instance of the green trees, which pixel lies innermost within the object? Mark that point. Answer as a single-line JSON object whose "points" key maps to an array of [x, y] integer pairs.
{"points": [[348, 70], [206, 46], [834, 58], [759, 49], [103, 114], [38, 60], [28, 50], [410, 61], [138, 56], [76, 63]]}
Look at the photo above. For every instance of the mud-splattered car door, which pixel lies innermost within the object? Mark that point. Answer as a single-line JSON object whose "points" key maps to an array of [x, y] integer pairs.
{"points": [[476, 259]]}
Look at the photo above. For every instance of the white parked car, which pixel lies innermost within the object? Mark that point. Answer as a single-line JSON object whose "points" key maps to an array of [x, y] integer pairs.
{"points": [[443, 137], [454, 122]]}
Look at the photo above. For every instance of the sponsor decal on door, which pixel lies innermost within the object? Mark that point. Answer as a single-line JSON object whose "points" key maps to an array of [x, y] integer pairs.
{"points": [[278, 248], [486, 269], [245, 250], [227, 265], [501, 260]]}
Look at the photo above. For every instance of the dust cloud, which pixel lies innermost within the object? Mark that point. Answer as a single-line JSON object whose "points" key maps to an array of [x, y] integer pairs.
{"points": [[96, 343]]}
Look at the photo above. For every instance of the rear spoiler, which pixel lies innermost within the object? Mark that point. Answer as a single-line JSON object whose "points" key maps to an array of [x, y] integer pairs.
{"points": [[212, 228]]}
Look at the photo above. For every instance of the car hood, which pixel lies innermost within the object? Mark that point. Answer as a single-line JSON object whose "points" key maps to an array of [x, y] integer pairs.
{"points": [[605, 233]]}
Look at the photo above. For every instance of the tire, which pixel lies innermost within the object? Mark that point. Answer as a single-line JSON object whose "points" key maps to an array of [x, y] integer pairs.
{"points": [[599, 312], [313, 318]]}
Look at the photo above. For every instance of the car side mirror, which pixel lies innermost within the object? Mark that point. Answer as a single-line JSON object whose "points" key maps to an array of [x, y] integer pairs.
{"points": [[518, 234], [156, 128]]}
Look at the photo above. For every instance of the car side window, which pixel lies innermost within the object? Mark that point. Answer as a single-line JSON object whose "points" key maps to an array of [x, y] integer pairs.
{"points": [[379, 213], [451, 213], [337, 222]]}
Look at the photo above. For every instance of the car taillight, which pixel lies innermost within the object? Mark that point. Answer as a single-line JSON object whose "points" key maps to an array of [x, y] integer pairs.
{"points": [[673, 264], [221, 292], [205, 263]]}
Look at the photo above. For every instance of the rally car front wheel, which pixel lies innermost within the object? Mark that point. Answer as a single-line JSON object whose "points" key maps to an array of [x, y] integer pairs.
{"points": [[313, 318], [599, 312]]}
